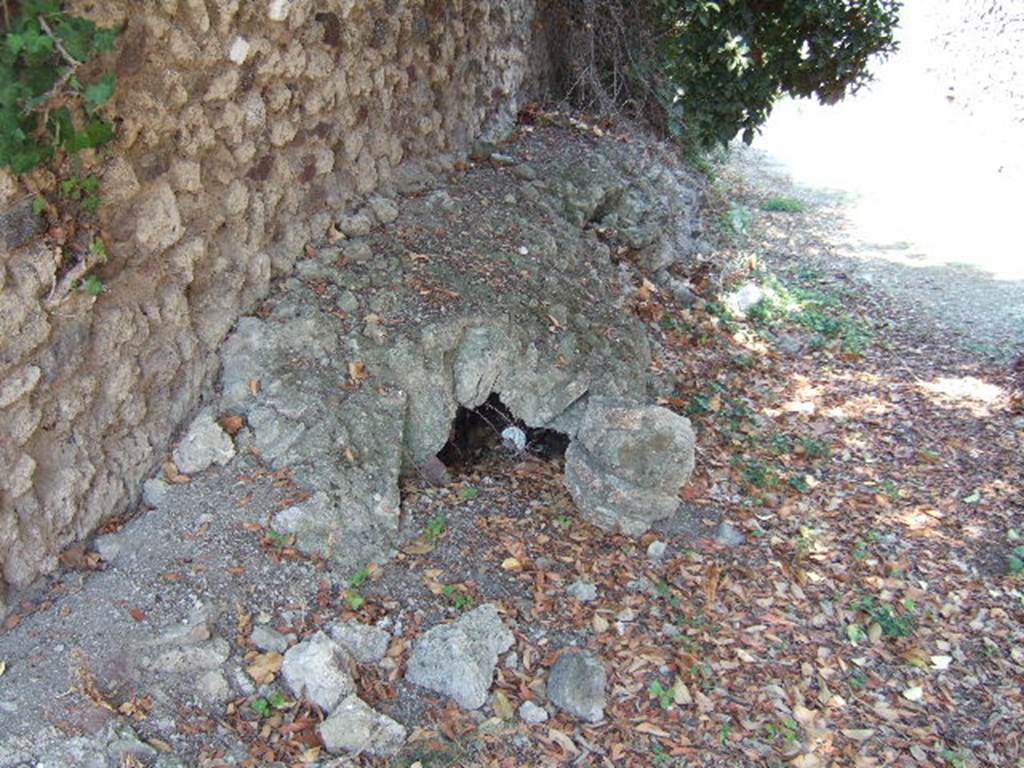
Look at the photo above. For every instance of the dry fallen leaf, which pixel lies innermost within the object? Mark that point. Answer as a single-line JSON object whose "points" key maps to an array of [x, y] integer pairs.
{"points": [[3, 667], [511, 564], [502, 706], [232, 424], [265, 666], [357, 371]]}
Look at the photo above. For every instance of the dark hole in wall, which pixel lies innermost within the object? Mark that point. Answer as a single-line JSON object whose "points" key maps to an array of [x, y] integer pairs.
{"points": [[476, 433]]}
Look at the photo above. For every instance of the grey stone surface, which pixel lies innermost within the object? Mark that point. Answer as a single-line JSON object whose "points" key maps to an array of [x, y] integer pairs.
{"points": [[459, 659], [628, 463], [204, 444], [317, 669], [356, 728], [267, 639], [366, 643], [584, 591], [19, 224], [154, 492], [532, 713], [728, 535], [577, 683], [209, 195], [356, 225]]}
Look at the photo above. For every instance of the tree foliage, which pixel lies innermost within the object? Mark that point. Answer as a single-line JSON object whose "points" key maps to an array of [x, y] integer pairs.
{"points": [[44, 105], [707, 70]]}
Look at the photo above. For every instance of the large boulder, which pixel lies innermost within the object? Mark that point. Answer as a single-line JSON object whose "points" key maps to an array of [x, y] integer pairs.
{"points": [[459, 659], [627, 464]]}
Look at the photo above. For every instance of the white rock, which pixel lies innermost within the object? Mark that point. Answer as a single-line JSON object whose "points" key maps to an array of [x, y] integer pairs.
{"points": [[742, 300], [204, 444], [532, 713], [656, 550], [266, 639], [357, 728], [459, 659], [366, 643], [279, 9], [317, 668], [239, 50], [584, 591], [154, 492]]}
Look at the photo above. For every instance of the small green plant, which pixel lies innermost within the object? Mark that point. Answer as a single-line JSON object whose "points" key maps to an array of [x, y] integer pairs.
{"points": [[91, 285], [44, 106], [725, 733], [354, 599], [83, 190], [890, 489], [955, 759], [359, 578], [436, 526], [469, 492], [277, 539], [264, 706], [460, 600], [893, 622], [788, 730], [1015, 562], [661, 755], [858, 680], [564, 522], [783, 205], [860, 549], [814, 449], [736, 221], [666, 696]]}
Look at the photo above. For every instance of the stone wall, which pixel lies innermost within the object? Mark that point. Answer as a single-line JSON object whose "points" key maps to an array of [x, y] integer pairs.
{"points": [[246, 127]]}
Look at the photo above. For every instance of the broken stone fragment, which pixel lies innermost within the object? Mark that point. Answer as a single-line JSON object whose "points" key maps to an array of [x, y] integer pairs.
{"points": [[577, 685], [728, 535], [357, 728], [385, 210], [584, 591], [627, 464], [317, 669], [532, 713], [459, 659], [204, 444], [356, 225], [367, 644], [266, 639]]}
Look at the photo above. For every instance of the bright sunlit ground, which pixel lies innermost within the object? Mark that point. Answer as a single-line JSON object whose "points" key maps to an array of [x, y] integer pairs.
{"points": [[929, 182]]}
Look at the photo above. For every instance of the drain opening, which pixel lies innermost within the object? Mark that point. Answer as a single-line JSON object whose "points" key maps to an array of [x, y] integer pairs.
{"points": [[490, 428]]}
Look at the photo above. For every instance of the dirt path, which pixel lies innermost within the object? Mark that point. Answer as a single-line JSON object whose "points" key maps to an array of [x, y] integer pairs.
{"points": [[917, 178]]}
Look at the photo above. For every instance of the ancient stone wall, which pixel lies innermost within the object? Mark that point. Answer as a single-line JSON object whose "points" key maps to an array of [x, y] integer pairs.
{"points": [[245, 128]]}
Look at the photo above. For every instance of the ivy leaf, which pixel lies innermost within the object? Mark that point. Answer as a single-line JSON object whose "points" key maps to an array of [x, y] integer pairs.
{"points": [[97, 94]]}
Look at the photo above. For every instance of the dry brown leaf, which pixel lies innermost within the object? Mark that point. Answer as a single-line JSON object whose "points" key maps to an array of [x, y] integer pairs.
{"points": [[357, 371], [502, 706], [265, 666]]}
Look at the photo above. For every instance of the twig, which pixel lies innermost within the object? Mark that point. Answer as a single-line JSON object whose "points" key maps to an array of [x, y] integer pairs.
{"points": [[75, 63]]}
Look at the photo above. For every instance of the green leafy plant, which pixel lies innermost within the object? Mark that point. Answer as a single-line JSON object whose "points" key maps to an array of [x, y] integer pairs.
{"points": [[359, 578], [1015, 562], [788, 730], [665, 696], [894, 622], [44, 106], [469, 492], [730, 60], [436, 527], [354, 599], [460, 600], [264, 706], [783, 205], [91, 286]]}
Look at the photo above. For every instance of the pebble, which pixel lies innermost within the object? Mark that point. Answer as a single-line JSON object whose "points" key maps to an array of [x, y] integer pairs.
{"points": [[532, 713], [656, 549], [728, 535], [584, 591]]}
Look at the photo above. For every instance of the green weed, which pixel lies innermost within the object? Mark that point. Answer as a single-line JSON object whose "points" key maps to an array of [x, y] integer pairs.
{"points": [[783, 205]]}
